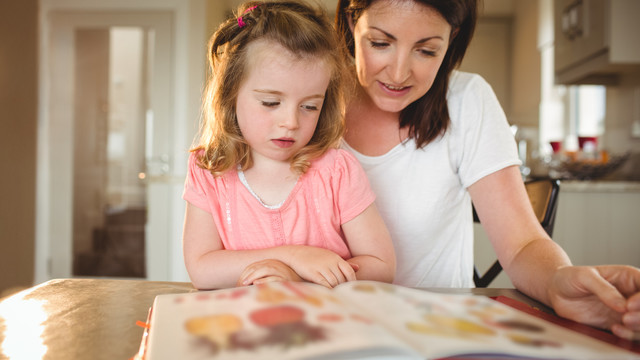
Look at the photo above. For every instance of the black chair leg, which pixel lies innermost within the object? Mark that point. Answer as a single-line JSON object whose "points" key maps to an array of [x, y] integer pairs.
{"points": [[489, 275]]}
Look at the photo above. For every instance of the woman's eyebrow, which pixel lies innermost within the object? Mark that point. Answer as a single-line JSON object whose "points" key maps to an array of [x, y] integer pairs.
{"points": [[423, 40]]}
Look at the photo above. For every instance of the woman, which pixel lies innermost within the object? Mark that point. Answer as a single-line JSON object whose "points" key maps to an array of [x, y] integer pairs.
{"points": [[432, 139]]}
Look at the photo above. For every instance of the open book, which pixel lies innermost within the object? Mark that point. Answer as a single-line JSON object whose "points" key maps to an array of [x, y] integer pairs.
{"points": [[355, 320]]}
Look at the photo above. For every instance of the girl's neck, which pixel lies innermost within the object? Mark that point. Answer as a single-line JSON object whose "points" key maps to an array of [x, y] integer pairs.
{"points": [[370, 130], [271, 181]]}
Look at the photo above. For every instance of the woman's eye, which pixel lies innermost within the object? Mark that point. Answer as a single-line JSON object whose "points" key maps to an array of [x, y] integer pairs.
{"points": [[379, 44], [426, 52], [310, 107]]}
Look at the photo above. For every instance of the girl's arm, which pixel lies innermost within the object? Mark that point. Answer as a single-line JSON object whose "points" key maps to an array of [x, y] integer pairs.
{"points": [[370, 245], [373, 256], [211, 266]]}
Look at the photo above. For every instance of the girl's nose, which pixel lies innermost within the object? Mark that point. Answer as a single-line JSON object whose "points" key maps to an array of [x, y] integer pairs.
{"points": [[289, 119]]}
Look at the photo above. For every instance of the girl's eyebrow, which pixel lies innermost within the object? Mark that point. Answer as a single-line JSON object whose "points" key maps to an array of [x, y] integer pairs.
{"points": [[423, 40], [275, 92]]}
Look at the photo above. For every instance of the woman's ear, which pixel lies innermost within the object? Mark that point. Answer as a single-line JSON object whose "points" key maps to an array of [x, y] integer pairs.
{"points": [[453, 35], [350, 22]]}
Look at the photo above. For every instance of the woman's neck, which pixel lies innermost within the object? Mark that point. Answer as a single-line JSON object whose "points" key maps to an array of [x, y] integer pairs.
{"points": [[370, 130]]}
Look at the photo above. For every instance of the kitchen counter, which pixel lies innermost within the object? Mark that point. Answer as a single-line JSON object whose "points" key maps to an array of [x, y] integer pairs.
{"points": [[599, 186], [597, 222]]}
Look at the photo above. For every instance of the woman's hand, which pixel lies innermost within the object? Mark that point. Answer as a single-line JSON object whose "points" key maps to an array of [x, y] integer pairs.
{"points": [[267, 271], [605, 296]]}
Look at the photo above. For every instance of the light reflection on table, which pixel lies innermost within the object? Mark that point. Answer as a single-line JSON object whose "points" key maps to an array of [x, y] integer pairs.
{"points": [[23, 327]]}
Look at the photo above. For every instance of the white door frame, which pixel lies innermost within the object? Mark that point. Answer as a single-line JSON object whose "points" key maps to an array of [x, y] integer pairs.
{"points": [[186, 40]]}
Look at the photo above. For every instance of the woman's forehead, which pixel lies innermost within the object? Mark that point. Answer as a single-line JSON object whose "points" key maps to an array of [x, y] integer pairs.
{"points": [[405, 16]]}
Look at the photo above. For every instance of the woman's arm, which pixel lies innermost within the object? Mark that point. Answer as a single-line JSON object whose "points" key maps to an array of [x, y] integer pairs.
{"points": [[525, 251], [211, 266], [370, 245], [606, 296]]}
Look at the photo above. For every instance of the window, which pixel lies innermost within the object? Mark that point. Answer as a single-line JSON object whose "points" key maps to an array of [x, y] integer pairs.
{"points": [[586, 106]]}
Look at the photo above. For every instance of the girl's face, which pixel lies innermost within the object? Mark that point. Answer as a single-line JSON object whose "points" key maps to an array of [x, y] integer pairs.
{"points": [[399, 46], [279, 102]]}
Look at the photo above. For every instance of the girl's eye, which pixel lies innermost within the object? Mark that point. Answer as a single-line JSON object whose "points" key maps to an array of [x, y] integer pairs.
{"points": [[310, 107], [270, 103]]}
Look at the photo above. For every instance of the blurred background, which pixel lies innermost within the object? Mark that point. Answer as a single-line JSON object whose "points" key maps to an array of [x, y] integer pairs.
{"points": [[100, 104]]}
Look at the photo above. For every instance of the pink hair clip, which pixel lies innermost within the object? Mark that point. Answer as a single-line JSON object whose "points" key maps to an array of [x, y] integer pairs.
{"points": [[241, 22]]}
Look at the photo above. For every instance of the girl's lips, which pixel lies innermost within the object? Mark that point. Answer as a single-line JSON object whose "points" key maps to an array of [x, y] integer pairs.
{"points": [[394, 90], [283, 142]]}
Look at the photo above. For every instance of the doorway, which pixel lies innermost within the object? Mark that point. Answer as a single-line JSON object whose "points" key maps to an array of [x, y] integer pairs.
{"points": [[108, 141], [109, 172]]}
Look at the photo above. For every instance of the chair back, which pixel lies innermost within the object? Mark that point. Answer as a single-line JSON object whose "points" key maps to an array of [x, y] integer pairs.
{"points": [[543, 195]]}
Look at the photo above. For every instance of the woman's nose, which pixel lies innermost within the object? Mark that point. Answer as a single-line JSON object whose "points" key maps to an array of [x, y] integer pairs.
{"points": [[400, 68]]}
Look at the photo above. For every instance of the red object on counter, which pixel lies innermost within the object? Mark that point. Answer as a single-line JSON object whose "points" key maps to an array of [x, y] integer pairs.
{"points": [[556, 146], [585, 139]]}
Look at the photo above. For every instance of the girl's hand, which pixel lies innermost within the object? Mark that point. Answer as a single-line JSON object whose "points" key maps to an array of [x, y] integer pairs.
{"points": [[267, 271], [321, 266], [606, 296]]}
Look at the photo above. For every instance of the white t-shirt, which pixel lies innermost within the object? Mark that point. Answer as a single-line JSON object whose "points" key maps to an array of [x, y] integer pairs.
{"points": [[422, 193]]}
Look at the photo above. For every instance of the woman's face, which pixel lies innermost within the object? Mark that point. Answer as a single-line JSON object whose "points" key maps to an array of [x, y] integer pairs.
{"points": [[399, 46]]}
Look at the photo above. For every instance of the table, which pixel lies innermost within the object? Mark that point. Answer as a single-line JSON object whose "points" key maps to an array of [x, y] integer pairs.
{"points": [[96, 318]]}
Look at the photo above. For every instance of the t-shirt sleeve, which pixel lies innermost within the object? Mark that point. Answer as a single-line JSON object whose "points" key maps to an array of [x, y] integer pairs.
{"points": [[352, 192], [197, 185], [482, 129]]}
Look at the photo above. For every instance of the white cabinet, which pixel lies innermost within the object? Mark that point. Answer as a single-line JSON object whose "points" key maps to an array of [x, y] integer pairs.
{"points": [[599, 222], [595, 41]]}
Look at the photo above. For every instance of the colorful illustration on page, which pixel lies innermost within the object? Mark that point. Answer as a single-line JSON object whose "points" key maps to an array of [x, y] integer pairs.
{"points": [[288, 316], [470, 319]]}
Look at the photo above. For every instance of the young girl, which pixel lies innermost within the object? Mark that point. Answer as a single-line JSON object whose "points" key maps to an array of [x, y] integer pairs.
{"points": [[269, 197]]}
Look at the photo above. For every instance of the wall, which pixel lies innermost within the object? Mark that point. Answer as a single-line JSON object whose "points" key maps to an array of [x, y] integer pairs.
{"points": [[489, 54], [504, 51], [19, 104], [623, 109], [526, 65]]}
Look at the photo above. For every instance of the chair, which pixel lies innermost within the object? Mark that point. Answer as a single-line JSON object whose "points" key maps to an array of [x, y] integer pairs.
{"points": [[543, 194]]}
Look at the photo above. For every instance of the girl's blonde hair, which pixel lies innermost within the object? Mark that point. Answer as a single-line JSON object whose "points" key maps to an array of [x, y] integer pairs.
{"points": [[304, 31]]}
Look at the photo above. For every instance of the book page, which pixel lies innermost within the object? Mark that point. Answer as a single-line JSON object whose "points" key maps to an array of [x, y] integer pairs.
{"points": [[270, 321], [447, 325]]}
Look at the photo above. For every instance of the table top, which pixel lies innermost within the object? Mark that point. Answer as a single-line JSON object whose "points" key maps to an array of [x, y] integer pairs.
{"points": [[96, 318]]}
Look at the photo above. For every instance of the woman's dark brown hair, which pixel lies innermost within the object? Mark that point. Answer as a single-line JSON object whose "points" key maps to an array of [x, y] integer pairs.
{"points": [[427, 117]]}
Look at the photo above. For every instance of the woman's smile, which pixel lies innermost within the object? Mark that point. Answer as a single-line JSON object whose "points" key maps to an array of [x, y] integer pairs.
{"points": [[395, 90]]}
